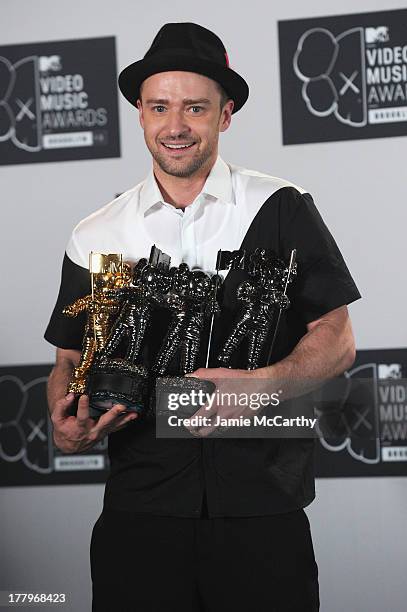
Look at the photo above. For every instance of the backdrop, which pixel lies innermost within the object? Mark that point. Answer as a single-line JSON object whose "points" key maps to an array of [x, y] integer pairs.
{"points": [[359, 187]]}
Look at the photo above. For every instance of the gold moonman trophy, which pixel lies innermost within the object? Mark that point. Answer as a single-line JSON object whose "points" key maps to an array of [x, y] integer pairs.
{"points": [[107, 272]]}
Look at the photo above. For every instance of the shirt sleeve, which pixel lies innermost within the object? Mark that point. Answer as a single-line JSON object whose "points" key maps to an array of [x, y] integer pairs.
{"points": [[323, 280], [63, 331]]}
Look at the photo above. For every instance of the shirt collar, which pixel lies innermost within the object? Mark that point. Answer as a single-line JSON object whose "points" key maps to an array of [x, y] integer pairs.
{"points": [[218, 185]]}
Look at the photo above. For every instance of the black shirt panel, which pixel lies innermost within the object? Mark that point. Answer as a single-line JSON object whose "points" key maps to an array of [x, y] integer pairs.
{"points": [[324, 281], [254, 477], [290, 220], [154, 475], [63, 331], [240, 477]]}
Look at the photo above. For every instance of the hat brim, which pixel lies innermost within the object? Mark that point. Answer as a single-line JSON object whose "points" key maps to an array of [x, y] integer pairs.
{"points": [[131, 77]]}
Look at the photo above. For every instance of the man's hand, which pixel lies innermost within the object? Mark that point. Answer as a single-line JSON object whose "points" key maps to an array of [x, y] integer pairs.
{"points": [[226, 381], [75, 434]]}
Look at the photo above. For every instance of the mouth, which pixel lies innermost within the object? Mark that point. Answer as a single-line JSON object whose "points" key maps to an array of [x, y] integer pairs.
{"points": [[178, 147]]}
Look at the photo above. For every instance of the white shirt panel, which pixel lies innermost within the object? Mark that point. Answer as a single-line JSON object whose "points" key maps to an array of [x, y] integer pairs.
{"points": [[218, 218]]}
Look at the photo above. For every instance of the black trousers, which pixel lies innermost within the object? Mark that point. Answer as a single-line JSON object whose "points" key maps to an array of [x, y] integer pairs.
{"points": [[164, 564]]}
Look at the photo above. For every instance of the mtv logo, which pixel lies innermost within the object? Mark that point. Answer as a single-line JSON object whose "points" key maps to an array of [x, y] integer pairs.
{"points": [[391, 370], [379, 34], [52, 62]]}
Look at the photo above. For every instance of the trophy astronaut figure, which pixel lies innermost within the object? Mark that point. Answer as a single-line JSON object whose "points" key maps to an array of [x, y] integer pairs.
{"points": [[262, 296], [191, 299], [101, 308], [137, 303]]}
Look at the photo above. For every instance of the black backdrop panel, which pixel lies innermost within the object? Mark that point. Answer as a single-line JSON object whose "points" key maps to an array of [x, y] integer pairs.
{"points": [[27, 453], [344, 77], [58, 101], [373, 414]]}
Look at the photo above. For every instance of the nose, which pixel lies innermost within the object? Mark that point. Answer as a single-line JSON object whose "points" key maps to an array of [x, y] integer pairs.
{"points": [[177, 125]]}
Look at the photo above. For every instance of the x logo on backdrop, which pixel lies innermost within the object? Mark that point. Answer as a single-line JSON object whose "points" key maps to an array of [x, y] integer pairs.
{"points": [[344, 77]]}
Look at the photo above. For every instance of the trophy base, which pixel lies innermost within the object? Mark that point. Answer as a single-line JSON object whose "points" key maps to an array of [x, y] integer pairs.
{"points": [[114, 381], [196, 388]]}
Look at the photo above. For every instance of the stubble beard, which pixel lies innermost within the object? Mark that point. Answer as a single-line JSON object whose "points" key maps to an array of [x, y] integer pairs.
{"points": [[181, 168]]}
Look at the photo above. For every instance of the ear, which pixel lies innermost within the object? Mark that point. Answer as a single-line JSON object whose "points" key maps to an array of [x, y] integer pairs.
{"points": [[226, 116], [140, 112]]}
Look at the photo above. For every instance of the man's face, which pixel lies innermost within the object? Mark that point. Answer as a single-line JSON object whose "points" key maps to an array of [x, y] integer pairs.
{"points": [[181, 117]]}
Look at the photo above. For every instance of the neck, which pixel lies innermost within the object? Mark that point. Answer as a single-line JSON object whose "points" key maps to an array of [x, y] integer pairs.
{"points": [[181, 191]]}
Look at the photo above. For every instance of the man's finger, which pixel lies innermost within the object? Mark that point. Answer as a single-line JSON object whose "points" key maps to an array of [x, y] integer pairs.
{"points": [[207, 410], [210, 416], [202, 432], [108, 420], [82, 413], [62, 407], [124, 421]]}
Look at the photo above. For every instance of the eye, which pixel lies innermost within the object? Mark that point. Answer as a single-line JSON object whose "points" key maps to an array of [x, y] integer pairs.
{"points": [[195, 110], [158, 108]]}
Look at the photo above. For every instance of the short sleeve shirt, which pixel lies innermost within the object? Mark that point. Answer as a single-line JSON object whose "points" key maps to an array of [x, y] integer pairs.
{"points": [[236, 209]]}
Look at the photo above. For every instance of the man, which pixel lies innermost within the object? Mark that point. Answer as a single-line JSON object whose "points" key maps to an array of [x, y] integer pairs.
{"points": [[204, 523]]}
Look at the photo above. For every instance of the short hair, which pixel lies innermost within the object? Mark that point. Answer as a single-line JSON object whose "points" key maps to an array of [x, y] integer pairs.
{"points": [[224, 97]]}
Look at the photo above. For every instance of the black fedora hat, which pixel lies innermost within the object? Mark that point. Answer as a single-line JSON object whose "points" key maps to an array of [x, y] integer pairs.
{"points": [[189, 47]]}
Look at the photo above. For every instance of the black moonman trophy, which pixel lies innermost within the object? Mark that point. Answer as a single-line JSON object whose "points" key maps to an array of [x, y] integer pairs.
{"points": [[117, 376], [192, 300], [263, 298]]}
